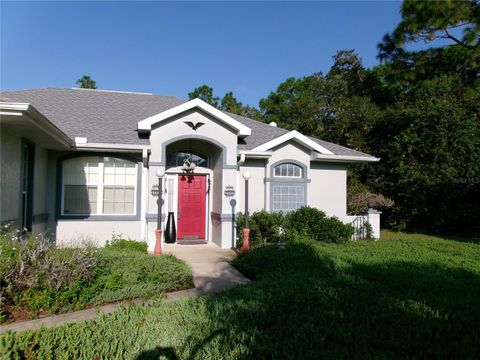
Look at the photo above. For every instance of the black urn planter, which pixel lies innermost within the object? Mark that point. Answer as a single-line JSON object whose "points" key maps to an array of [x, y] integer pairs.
{"points": [[170, 229]]}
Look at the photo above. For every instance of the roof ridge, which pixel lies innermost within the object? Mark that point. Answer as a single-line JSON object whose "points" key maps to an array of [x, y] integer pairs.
{"points": [[96, 90], [21, 90], [112, 91]]}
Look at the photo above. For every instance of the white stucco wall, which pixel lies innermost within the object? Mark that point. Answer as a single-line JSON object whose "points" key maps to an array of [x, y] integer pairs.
{"points": [[328, 189], [256, 184], [175, 127], [76, 232], [215, 139], [326, 186], [289, 150]]}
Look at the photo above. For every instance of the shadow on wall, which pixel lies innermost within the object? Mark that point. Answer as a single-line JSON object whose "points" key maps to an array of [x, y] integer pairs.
{"points": [[305, 305]]}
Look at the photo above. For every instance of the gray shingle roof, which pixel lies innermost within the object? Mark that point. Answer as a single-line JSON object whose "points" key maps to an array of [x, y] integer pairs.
{"points": [[100, 116], [112, 117]]}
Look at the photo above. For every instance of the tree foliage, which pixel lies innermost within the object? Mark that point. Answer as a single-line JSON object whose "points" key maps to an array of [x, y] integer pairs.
{"points": [[457, 21], [228, 103], [419, 111], [205, 93], [86, 82]]}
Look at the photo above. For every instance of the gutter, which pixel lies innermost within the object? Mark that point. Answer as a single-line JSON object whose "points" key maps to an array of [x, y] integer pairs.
{"points": [[81, 143], [344, 158], [254, 154]]}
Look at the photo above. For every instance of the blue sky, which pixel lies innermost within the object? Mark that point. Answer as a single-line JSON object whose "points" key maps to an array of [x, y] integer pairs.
{"points": [[170, 48]]}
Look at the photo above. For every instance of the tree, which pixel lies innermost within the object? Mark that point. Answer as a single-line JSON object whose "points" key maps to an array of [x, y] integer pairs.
{"points": [[228, 103], [432, 164], [86, 82], [335, 107], [205, 93], [458, 21], [251, 112], [231, 104], [297, 104]]}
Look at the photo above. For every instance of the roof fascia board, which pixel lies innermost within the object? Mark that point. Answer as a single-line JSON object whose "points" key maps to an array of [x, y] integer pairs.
{"points": [[108, 146], [344, 158], [250, 154], [37, 119], [16, 106], [293, 135], [146, 124]]}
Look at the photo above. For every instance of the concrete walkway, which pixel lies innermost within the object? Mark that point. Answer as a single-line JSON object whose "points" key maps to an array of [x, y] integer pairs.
{"points": [[210, 265], [211, 270]]}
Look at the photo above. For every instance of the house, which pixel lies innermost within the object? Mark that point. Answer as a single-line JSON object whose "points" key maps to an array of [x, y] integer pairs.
{"points": [[82, 164]]}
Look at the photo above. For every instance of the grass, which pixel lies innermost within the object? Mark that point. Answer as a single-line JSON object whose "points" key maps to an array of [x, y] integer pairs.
{"points": [[393, 235], [398, 298], [128, 274]]}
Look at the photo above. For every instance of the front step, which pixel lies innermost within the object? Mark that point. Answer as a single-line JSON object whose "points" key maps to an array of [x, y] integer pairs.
{"points": [[192, 242]]}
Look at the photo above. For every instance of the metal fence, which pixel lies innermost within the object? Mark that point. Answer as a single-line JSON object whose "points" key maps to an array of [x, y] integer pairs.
{"points": [[360, 228]]}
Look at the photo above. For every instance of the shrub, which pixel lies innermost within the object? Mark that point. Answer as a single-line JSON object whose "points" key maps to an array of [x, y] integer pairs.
{"points": [[363, 232], [35, 276], [315, 224], [264, 227], [118, 243], [301, 225]]}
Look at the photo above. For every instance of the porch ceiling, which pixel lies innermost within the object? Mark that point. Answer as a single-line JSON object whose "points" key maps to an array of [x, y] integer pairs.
{"points": [[24, 126]]}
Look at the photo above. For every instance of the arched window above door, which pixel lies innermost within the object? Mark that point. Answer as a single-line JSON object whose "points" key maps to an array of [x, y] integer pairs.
{"points": [[176, 158]]}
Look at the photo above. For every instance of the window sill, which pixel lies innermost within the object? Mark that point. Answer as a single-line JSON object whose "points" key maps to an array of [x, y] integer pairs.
{"points": [[118, 217]]}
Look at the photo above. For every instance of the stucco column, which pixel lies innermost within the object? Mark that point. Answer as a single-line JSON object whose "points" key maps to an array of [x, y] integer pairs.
{"points": [[229, 207], [373, 217]]}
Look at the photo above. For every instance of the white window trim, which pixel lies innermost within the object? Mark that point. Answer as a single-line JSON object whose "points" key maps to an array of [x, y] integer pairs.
{"points": [[298, 186], [300, 176], [100, 187]]}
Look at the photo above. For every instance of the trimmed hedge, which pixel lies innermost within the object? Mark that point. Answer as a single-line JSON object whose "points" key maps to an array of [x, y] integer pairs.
{"points": [[295, 226], [317, 225]]}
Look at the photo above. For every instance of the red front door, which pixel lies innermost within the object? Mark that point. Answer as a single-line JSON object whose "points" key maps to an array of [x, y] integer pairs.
{"points": [[192, 194]]}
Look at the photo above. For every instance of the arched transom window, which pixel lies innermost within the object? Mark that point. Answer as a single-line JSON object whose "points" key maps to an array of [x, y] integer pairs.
{"points": [[288, 170], [177, 158], [98, 185]]}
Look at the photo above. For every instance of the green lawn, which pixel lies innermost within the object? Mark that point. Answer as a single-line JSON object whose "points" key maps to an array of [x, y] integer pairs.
{"points": [[412, 298]]}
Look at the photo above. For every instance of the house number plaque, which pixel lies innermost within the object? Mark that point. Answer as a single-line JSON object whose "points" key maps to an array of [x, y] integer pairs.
{"points": [[229, 191]]}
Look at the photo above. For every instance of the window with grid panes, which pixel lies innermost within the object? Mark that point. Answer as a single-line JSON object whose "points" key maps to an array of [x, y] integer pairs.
{"points": [[287, 196], [99, 186]]}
